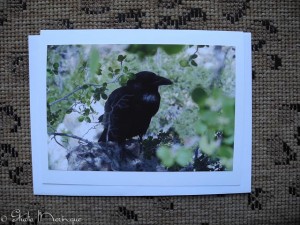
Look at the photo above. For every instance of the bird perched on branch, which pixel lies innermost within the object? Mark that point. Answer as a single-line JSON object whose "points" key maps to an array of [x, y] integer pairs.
{"points": [[129, 109]]}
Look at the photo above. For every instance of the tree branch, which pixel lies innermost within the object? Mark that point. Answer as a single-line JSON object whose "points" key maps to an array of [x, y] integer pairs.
{"points": [[73, 92]]}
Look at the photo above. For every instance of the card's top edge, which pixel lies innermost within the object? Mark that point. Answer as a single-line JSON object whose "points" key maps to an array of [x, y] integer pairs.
{"points": [[142, 31]]}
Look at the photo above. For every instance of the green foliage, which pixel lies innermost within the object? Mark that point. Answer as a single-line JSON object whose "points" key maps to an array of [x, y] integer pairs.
{"points": [[166, 156], [91, 80], [215, 125], [176, 156], [150, 50], [94, 62]]}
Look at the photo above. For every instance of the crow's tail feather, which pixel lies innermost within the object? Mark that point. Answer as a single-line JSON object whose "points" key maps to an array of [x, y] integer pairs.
{"points": [[100, 119], [103, 136]]}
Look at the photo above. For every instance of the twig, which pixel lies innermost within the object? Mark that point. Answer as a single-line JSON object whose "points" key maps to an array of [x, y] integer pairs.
{"points": [[71, 136], [54, 137], [91, 128], [197, 48], [118, 77]]}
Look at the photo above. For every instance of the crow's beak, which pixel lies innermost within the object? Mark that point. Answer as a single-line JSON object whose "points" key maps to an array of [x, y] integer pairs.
{"points": [[162, 81]]}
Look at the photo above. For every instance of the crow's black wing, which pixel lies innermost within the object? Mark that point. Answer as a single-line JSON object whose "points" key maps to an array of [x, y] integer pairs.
{"points": [[114, 98], [118, 118], [120, 99]]}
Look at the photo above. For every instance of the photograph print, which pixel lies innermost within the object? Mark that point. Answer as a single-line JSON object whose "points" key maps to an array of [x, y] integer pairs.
{"points": [[141, 107]]}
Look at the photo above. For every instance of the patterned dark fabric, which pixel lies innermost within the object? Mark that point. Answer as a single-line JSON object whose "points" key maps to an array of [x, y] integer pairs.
{"points": [[275, 26]]}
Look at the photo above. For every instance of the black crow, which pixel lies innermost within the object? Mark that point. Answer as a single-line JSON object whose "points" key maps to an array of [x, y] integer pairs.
{"points": [[129, 109]]}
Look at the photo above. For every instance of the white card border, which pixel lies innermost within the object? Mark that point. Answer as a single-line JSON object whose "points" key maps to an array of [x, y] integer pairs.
{"points": [[55, 181]]}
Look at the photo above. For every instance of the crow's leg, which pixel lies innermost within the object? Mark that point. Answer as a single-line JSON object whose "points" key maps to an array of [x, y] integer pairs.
{"points": [[140, 138], [141, 142]]}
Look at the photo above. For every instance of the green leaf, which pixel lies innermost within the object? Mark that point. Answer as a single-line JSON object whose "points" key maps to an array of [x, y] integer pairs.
{"points": [[85, 86], [165, 155], [194, 63], [93, 60], [131, 76], [121, 58], [184, 63], [229, 130], [104, 96], [92, 109], [229, 140], [55, 71], [214, 103], [194, 56], [208, 147], [217, 93], [117, 71], [228, 163], [210, 118], [143, 50], [122, 80], [84, 64], [86, 112], [228, 106], [98, 90], [110, 69], [97, 96], [55, 66], [80, 118], [225, 152], [87, 119], [172, 49], [201, 128], [99, 71], [83, 100], [50, 71], [199, 95], [223, 121], [184, 156]]}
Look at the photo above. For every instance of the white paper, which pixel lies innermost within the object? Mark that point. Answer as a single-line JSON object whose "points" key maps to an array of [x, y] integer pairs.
{"points": [[99, 183]]}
